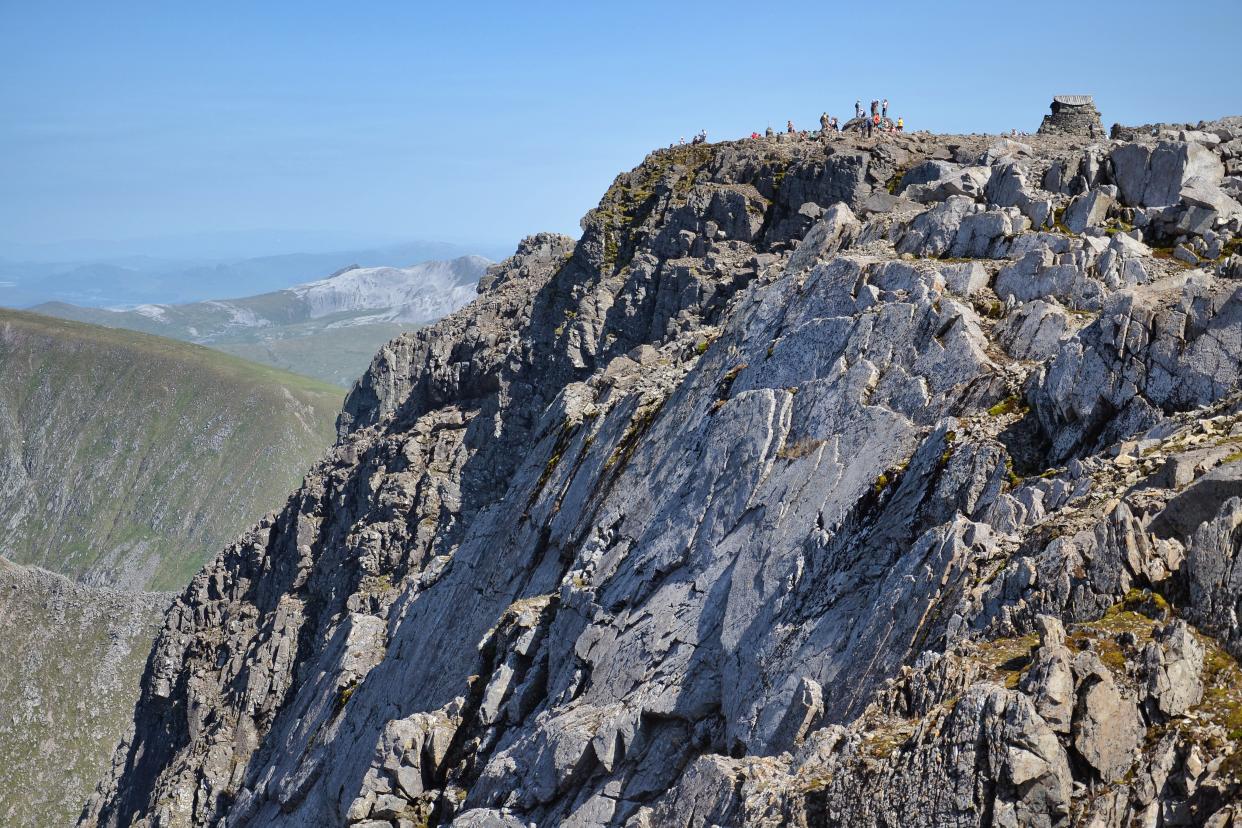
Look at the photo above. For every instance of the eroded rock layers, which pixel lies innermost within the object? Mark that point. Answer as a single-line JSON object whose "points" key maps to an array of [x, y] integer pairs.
{"points": [[821, 483]]}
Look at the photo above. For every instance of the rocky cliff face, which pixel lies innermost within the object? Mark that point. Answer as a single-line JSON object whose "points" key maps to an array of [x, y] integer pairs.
{"points": [[821, 482]]}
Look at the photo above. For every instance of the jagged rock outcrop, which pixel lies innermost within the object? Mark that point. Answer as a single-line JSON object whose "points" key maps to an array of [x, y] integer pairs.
{"points": [[716, 517]]}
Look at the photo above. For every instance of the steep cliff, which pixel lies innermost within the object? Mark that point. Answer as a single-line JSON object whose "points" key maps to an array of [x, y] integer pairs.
{"points": [[127, 460], [823, 481]]}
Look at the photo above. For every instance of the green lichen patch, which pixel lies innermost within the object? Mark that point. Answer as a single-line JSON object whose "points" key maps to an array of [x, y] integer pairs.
{"points": [[1010, 405], [1005, 660]]}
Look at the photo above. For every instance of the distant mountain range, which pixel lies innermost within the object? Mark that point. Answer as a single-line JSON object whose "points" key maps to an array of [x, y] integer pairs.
{"points": [[328, 329], [127, 280]]}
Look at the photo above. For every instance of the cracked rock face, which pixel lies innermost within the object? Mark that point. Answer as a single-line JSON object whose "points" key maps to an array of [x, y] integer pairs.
{"points": [[750, 508]]}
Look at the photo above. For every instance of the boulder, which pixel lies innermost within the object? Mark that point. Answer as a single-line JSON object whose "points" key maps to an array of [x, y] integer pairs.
{"points": [[1035, 277], [1007, 187], [1108, 727], [1004, 148], [1155, 177], [1210, 197], [1088, 210], [881, 201], [1050, 680], [980, 235], [932, 233], [1213, 574], [1122, 264], [1174, 664], [968, 181], [926, 172], [1034, 330], [965, 278]]}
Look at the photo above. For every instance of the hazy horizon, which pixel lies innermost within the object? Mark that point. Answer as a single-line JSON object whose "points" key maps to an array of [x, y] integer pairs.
{"points": [[393, 121], [189, 248]]}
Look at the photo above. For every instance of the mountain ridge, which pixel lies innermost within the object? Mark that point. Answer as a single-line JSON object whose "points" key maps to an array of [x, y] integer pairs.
{"points": [[354, 312], [127, 458], [824, 480]]}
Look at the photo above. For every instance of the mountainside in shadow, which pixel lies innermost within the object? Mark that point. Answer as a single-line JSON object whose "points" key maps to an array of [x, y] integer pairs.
{"points": [[127, 460], [824, 481], [328, 329]]}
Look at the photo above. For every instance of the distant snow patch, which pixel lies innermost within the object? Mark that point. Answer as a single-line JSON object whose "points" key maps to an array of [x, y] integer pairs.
{"points": [[242, 317], [397, 294], [157, 312]]}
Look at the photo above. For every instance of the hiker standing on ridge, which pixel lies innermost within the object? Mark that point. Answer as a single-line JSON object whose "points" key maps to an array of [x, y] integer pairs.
{"points": [[870, 126], [875, 108], [789, 127], [824, 122], [857, 108], [884, 108]]}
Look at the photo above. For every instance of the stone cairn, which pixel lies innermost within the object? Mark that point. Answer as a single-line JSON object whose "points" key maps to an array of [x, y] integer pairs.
{"points": [[1073, 115]]}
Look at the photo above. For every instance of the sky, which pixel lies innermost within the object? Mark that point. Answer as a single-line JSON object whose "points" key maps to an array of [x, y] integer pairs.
{"points": [[310, 124]]}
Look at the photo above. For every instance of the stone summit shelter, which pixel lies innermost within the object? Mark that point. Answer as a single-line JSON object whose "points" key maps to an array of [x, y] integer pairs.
{"points": [[1073, 115]]}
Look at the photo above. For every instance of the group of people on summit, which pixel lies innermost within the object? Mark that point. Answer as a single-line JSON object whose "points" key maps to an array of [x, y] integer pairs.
{"points": [[877, 120]]}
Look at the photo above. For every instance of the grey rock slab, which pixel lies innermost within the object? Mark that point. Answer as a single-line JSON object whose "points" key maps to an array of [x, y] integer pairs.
{"points": [[1034, 330], [1088, 210], [1155, 177], [965, 278], [1174, 663], [1107, 727]]}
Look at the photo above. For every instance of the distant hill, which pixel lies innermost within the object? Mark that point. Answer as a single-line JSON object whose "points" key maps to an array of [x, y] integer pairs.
{"points": [[126, 280], [72, 658], [127, 459], [328, 329]]}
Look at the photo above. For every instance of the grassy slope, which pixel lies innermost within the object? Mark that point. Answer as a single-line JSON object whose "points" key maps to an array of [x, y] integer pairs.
{"points": [[72, 659], [128, 459], [335, 355]]}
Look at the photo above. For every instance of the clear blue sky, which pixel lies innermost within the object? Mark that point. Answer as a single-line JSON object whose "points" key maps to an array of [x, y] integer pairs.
{"points": [[487, 121]]}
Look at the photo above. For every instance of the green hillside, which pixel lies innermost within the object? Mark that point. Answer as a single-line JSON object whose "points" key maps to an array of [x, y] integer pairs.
{"points": [[336, 355], [127, 459], [72, 658]]}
